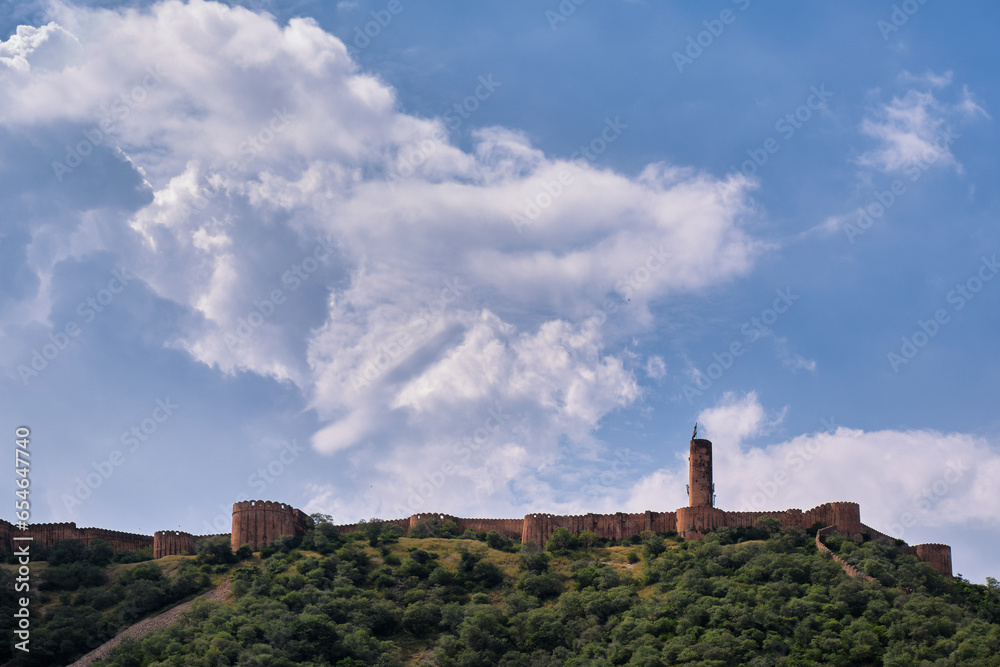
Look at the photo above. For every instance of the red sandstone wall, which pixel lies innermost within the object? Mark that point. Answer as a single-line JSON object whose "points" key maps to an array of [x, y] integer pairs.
{"points": [[352, 527], [506, 527], [849, 569], [175, 542], [694, 522], [6, 536], [119, 540], [938, 555], [172, 542], [47, 534], [257, 522], [538, 528]]}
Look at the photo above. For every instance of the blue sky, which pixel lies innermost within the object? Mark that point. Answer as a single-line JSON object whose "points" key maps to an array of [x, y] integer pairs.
{"points": [[378, 276]]}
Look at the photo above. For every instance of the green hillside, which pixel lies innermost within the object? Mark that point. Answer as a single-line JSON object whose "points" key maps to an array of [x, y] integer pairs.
{"points": [[739, 597]]}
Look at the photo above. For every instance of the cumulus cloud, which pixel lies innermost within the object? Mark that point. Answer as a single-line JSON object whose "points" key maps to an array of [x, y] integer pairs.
{"points": [[407, 310]]}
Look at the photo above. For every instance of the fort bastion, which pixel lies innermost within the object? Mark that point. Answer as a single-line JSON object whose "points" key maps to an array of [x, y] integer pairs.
{"points": [[256, 522]]}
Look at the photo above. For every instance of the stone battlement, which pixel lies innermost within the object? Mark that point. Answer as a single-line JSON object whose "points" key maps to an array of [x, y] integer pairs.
{"points": [[257, 522]]}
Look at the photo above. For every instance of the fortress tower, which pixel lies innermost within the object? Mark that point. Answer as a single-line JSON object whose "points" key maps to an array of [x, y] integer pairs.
{"points": [[701, 490], [257, 522]]}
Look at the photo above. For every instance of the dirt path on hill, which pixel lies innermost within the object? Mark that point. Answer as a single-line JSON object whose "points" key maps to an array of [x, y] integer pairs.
{"points": [[149, 625]]}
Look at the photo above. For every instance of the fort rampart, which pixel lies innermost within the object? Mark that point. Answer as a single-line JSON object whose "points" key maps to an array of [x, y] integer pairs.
{"points": [[849, 569], [47, 534], [257, 522]]}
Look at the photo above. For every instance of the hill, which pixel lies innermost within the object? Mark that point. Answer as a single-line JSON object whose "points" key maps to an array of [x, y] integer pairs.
{"points": [[738, 597]]}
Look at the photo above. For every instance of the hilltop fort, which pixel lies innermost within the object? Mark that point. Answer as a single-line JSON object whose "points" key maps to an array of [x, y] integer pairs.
{"points": [[256, 523]]}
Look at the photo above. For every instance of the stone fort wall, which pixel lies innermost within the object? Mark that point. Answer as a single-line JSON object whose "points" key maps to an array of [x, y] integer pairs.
{"points": [[691, 523], [176, 542], [257, 522], [47, 534]]}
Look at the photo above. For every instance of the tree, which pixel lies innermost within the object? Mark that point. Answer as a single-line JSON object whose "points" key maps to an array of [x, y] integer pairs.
{"points": [[768, 523], [562, 541], [371, 530], [215, 551]]}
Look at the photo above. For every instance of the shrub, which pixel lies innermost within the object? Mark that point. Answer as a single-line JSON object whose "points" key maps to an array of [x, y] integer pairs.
{"points": [[543, 586], [562, 541]]}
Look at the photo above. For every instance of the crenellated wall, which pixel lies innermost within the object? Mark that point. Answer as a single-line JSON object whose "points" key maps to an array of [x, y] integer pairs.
{"points": [[257, 522], [47, 534], [538, 528], [172, 542], [176, 542], [849, 569], [352, 527], [505, 527], [937, 555]]}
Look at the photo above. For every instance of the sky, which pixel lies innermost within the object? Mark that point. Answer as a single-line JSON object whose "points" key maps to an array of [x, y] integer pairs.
{"points": [[381, 258]]}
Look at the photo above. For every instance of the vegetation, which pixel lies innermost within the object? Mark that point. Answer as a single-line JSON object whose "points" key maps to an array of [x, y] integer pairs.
{"points": [[748, 596], [86, 595]]}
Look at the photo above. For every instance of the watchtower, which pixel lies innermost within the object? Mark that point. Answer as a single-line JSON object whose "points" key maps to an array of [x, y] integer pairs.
{"points": [[701, 490]]}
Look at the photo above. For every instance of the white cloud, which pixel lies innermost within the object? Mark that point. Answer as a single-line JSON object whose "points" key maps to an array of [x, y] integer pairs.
{"points": [[917, 129], [655, 367], [910, 130], [928, 78], [735, 419], [791, 360], [260, 141]]}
